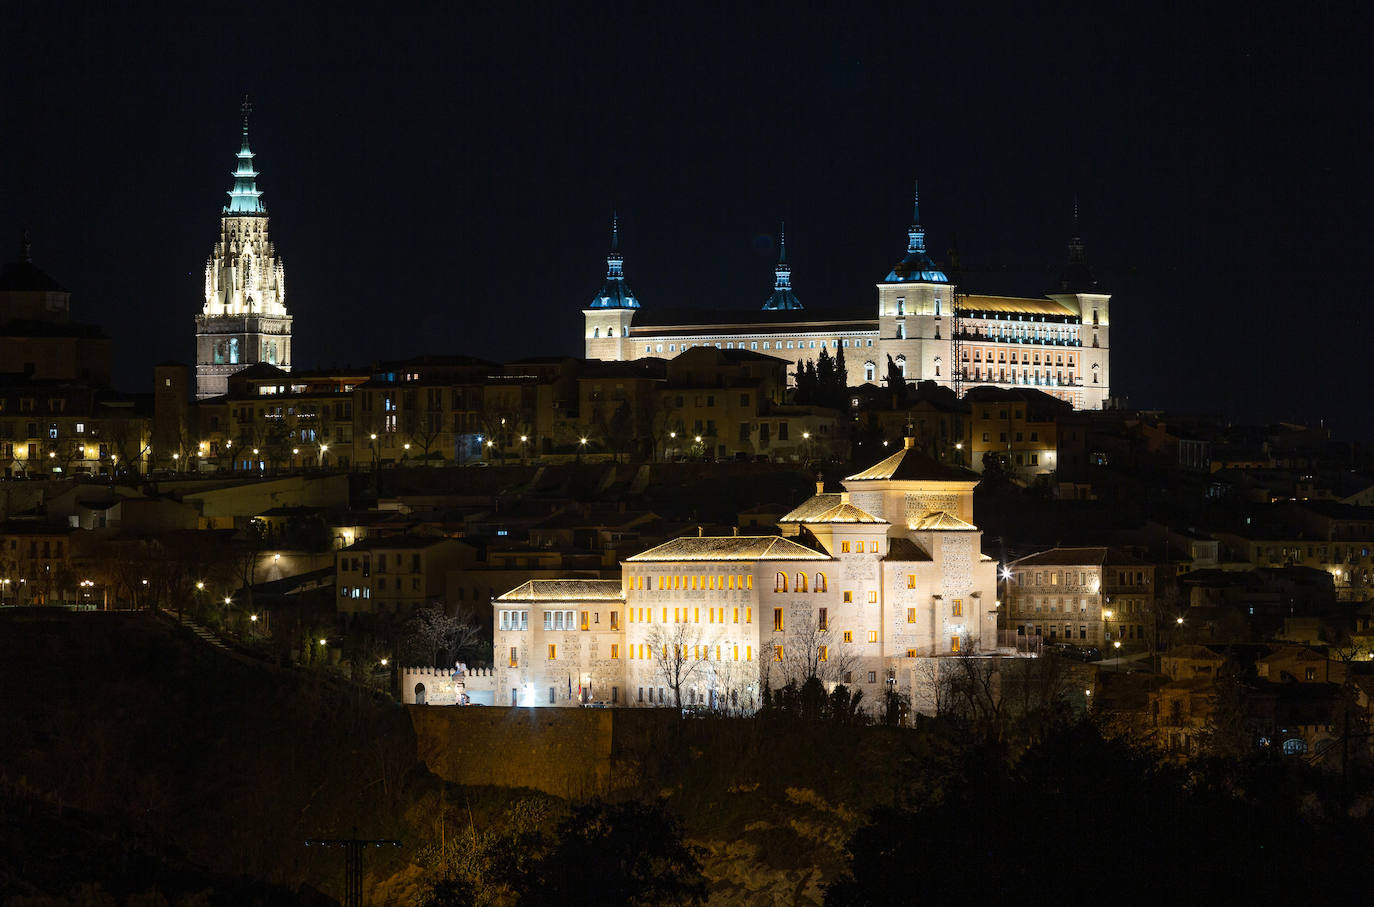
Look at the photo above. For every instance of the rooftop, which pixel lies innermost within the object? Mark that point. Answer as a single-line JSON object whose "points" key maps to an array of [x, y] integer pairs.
{"points": [[906, 465], [1077, 557], [566, 590], [729, 548]]}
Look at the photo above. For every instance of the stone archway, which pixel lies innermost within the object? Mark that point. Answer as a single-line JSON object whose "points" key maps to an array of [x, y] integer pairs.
{"points": [[419, 694]]}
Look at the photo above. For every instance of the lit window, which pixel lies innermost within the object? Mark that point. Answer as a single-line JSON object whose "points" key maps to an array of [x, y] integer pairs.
{"points": [[514, 662], [872, 635], [777, 653], [911, 615], [911, 581], [958, 607], [553, 651], [872, 597], [824, 653], [848, 597], [954, 644], [848, 635], [777, 620], [910, 653], [615, 650], [844, 547]]}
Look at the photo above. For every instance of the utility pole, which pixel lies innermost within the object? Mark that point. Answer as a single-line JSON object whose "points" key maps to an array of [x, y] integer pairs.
{"points": [[353, 862]]}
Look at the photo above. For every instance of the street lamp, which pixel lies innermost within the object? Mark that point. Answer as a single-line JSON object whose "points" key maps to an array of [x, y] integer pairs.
{"points": [[1117, 646], [324, 449]]}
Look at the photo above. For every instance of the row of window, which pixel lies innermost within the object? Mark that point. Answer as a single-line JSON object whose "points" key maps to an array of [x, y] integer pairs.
{"points": [[695, 582], [739, 345], [713, 615]]}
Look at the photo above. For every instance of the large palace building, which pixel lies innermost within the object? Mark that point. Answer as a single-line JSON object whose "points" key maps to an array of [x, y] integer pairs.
{"points": [[1057, 343], [870, 587], [244, 319]]}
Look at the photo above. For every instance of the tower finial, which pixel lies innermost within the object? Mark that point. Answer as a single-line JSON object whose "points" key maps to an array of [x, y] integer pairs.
{"points": [[25, 247], [782, 243], [247, 108], [615, 231], [916, 202], [1075, 214]]}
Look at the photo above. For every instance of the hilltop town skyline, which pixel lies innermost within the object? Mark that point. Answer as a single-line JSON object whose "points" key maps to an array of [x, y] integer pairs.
{"points": [[418, 204]]}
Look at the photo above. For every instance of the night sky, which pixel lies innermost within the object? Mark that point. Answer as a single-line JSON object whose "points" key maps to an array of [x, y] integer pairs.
{"points": [[444, 183]]}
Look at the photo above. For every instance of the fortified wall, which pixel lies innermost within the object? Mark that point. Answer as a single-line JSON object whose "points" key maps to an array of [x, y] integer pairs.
{"points": [[447, 686], [565, 752]]}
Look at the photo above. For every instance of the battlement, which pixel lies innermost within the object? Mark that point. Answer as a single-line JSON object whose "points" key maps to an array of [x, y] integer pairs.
{"points": [[447, 686]]}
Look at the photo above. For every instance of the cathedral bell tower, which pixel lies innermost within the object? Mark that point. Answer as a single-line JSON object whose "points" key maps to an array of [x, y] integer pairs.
{"points": [[244, 319]]}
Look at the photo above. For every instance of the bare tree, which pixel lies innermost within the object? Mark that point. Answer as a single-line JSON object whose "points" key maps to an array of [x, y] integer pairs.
{"points": [[678, 655], [810, 651], [431, 631]]}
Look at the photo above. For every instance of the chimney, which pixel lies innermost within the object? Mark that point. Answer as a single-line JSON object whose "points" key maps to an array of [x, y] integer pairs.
{"points": [[700, 532]]}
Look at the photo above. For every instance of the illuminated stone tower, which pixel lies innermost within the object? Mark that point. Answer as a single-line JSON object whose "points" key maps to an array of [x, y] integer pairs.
{"points": [[608, 316], [914, 307], [244, 319]]}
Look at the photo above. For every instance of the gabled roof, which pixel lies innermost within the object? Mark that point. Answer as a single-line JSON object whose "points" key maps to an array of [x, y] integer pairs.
{"points": [[812, 507], [906, 465], [566, 590], [943, 521], [729, 548], [844, 513]]}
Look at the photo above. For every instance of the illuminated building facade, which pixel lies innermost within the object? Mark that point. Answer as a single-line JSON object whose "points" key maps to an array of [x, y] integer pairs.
{"points": [[1058, 343], [244, 319], [864, 587], [1083, 596]]}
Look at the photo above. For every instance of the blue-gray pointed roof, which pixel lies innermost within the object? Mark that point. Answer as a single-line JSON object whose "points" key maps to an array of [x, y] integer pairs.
{"points": [[616, 293], [783, 298], [917, 266]]}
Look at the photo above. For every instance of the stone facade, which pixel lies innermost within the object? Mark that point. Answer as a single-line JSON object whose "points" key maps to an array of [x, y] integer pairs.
{"points": [[923, 322], [244, 319], [861, 587]]}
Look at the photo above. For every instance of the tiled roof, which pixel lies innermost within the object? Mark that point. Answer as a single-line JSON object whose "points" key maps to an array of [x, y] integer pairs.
{"points": [[943, 521], [1002, 304], [908, 465], [829, 508], [729, 548], [811, 507], [565, 590]]}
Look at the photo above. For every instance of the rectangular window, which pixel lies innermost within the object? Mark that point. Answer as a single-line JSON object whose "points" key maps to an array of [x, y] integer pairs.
{"points": [[872, 635], [514, 661], [615, 620], [822, 619], [748, 653], [824, 653], [748, 615], [737, 615], [954, 644], [872, 676], [872, 597], [848, 636], [585, 616], [615, 650], [777, 620], [844, 547], [911, 581], [553, 652], [958, 607], [911, 615], [848, 597], [777, 653]]}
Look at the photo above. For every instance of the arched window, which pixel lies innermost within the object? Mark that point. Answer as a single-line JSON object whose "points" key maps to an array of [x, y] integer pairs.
{"points": [[901, 330], [901, 365], [610, 332], [937, 366], [419, 694], [820, 582], [801, 582], [780, 585], [233, 349], [596, 332], [870, 371]]}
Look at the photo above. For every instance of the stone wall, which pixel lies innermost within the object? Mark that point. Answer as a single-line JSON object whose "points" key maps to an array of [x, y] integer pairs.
{"points": [[566, 752]]}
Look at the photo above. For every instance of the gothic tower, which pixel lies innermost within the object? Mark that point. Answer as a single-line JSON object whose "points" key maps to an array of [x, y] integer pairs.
{"points": [[244, 319]]}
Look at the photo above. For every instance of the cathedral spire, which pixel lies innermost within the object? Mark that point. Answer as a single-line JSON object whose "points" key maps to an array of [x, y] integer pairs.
{"points": [[783, 297], [615, 294], [245, 198]]}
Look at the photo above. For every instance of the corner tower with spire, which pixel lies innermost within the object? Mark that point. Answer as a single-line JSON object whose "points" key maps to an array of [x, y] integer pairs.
{"points": [[783, 297], [243, 320], [608, 316], [915, 304], [1080, 292]]}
